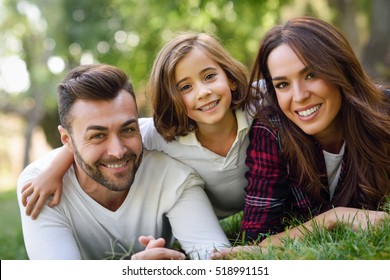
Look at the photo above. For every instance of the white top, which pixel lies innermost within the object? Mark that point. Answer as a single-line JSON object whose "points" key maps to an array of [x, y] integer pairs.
{"points": [[80, 228], [333, 168], [224, 176]]}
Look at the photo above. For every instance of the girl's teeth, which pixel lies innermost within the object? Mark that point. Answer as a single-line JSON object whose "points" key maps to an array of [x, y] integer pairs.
{"points": [[308, 112], [209, 106]]}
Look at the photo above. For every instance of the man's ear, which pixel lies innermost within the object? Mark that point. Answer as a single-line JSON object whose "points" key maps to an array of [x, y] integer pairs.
{"points": [[65, 138]]}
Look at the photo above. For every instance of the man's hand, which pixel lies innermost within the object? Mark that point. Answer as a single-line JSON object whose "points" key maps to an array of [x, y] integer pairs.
{"points": [[155, 250]]}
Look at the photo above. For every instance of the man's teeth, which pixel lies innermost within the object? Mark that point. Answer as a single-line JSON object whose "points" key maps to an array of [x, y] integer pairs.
{"points": [[308, 112], [208, 106], [117, 165]]}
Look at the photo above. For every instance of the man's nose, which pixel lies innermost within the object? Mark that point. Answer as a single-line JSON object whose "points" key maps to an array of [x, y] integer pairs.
{"points": [[116, 147]]}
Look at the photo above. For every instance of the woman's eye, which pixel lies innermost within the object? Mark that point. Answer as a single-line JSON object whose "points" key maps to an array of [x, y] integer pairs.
{"points": [[310, 76], [281, 85]]}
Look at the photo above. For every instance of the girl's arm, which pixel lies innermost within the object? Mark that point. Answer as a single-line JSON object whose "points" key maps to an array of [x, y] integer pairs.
{"points": [[46, 184]]}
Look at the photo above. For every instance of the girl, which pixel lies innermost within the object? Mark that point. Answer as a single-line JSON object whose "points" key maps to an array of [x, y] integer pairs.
{"points": [[200, 117], [320, 147]]}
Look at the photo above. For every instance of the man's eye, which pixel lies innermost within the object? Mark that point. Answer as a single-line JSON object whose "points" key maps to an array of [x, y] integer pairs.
{"points": [[129, 130], [97, 136]]}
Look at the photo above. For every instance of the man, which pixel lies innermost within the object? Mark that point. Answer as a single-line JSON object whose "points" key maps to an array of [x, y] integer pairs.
{"points": [[116, 192]]}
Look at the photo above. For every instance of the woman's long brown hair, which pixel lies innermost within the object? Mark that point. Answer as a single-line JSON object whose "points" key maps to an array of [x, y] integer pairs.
{"points": [[364, 113]]}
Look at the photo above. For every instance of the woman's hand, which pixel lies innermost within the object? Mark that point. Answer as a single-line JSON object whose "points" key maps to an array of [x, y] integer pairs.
{"points": [[356, 218]]}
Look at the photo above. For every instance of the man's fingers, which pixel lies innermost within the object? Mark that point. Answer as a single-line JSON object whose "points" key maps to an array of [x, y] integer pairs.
{"points": [[156, 243], [158, 254], [144, 240]]}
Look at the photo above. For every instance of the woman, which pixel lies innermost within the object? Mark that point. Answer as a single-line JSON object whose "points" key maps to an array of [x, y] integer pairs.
{"points": [[320, 147]]}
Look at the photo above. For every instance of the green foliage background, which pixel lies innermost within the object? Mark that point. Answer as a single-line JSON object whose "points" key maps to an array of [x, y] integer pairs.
{"points": [[128, 34]]}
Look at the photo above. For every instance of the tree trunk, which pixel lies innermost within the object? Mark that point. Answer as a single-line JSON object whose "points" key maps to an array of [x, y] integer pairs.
{"points": [[346, 21], [376, 56], [33, 118]]}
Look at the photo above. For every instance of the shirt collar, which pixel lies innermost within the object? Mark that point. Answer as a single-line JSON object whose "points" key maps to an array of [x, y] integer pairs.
{"points": [[244, 122]]}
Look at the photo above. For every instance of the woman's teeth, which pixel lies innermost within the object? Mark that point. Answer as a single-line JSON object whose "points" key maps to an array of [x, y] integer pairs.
{"points": [[309, 112]]}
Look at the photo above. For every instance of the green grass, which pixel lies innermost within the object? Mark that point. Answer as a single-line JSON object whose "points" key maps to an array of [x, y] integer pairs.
{"points": [[340, 243], [11, 238]]}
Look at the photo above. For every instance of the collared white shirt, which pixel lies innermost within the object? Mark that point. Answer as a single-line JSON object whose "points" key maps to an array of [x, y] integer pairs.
{"points": [[224, 176]]}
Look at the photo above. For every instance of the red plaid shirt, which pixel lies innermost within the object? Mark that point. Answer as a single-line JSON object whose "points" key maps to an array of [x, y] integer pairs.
{"points": [[273, 195]]}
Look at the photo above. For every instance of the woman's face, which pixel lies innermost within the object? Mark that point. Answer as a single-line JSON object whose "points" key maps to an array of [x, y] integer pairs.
{"points": [[307, 100]]}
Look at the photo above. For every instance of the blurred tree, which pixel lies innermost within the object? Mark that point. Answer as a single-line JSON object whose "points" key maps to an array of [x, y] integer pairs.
{"points": [[24, 24], [128, 33], [376, 54]]}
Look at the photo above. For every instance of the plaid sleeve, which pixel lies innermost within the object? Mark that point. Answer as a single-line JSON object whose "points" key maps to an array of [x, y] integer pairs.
{"points": [[267, 188]]}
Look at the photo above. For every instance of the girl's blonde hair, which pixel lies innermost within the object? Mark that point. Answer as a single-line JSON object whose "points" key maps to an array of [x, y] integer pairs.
{"points": [[169, 113]]}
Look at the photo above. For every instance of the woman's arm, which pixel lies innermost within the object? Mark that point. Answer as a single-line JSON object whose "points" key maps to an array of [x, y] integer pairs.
{"points": [[48, 183], [268, 187], [353, 217]]}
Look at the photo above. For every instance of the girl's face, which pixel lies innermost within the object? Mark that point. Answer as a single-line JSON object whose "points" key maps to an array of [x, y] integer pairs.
{"points": [[204, 87], [307, 100]]}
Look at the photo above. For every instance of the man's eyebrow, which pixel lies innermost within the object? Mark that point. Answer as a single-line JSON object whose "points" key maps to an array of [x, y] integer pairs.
{"points": [[96, 127], [103, 128], [129, 122]]}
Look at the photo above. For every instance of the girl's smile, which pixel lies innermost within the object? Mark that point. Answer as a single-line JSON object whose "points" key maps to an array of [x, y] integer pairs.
{"points": [[204, 87]]}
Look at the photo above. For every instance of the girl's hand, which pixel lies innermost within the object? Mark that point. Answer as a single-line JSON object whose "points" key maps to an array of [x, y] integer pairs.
{"points": [[36, 193]]}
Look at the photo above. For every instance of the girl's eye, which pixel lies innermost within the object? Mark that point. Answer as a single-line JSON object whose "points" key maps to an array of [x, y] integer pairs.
{"points": [[281, 85], [184, 88], [210, 76]]}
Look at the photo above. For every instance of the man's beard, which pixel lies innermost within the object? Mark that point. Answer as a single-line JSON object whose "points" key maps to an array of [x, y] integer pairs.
{"points": [[121, 181]]}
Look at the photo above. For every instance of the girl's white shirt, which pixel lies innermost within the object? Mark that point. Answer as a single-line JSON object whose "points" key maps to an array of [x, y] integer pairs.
{"points": [[224, 176]]}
